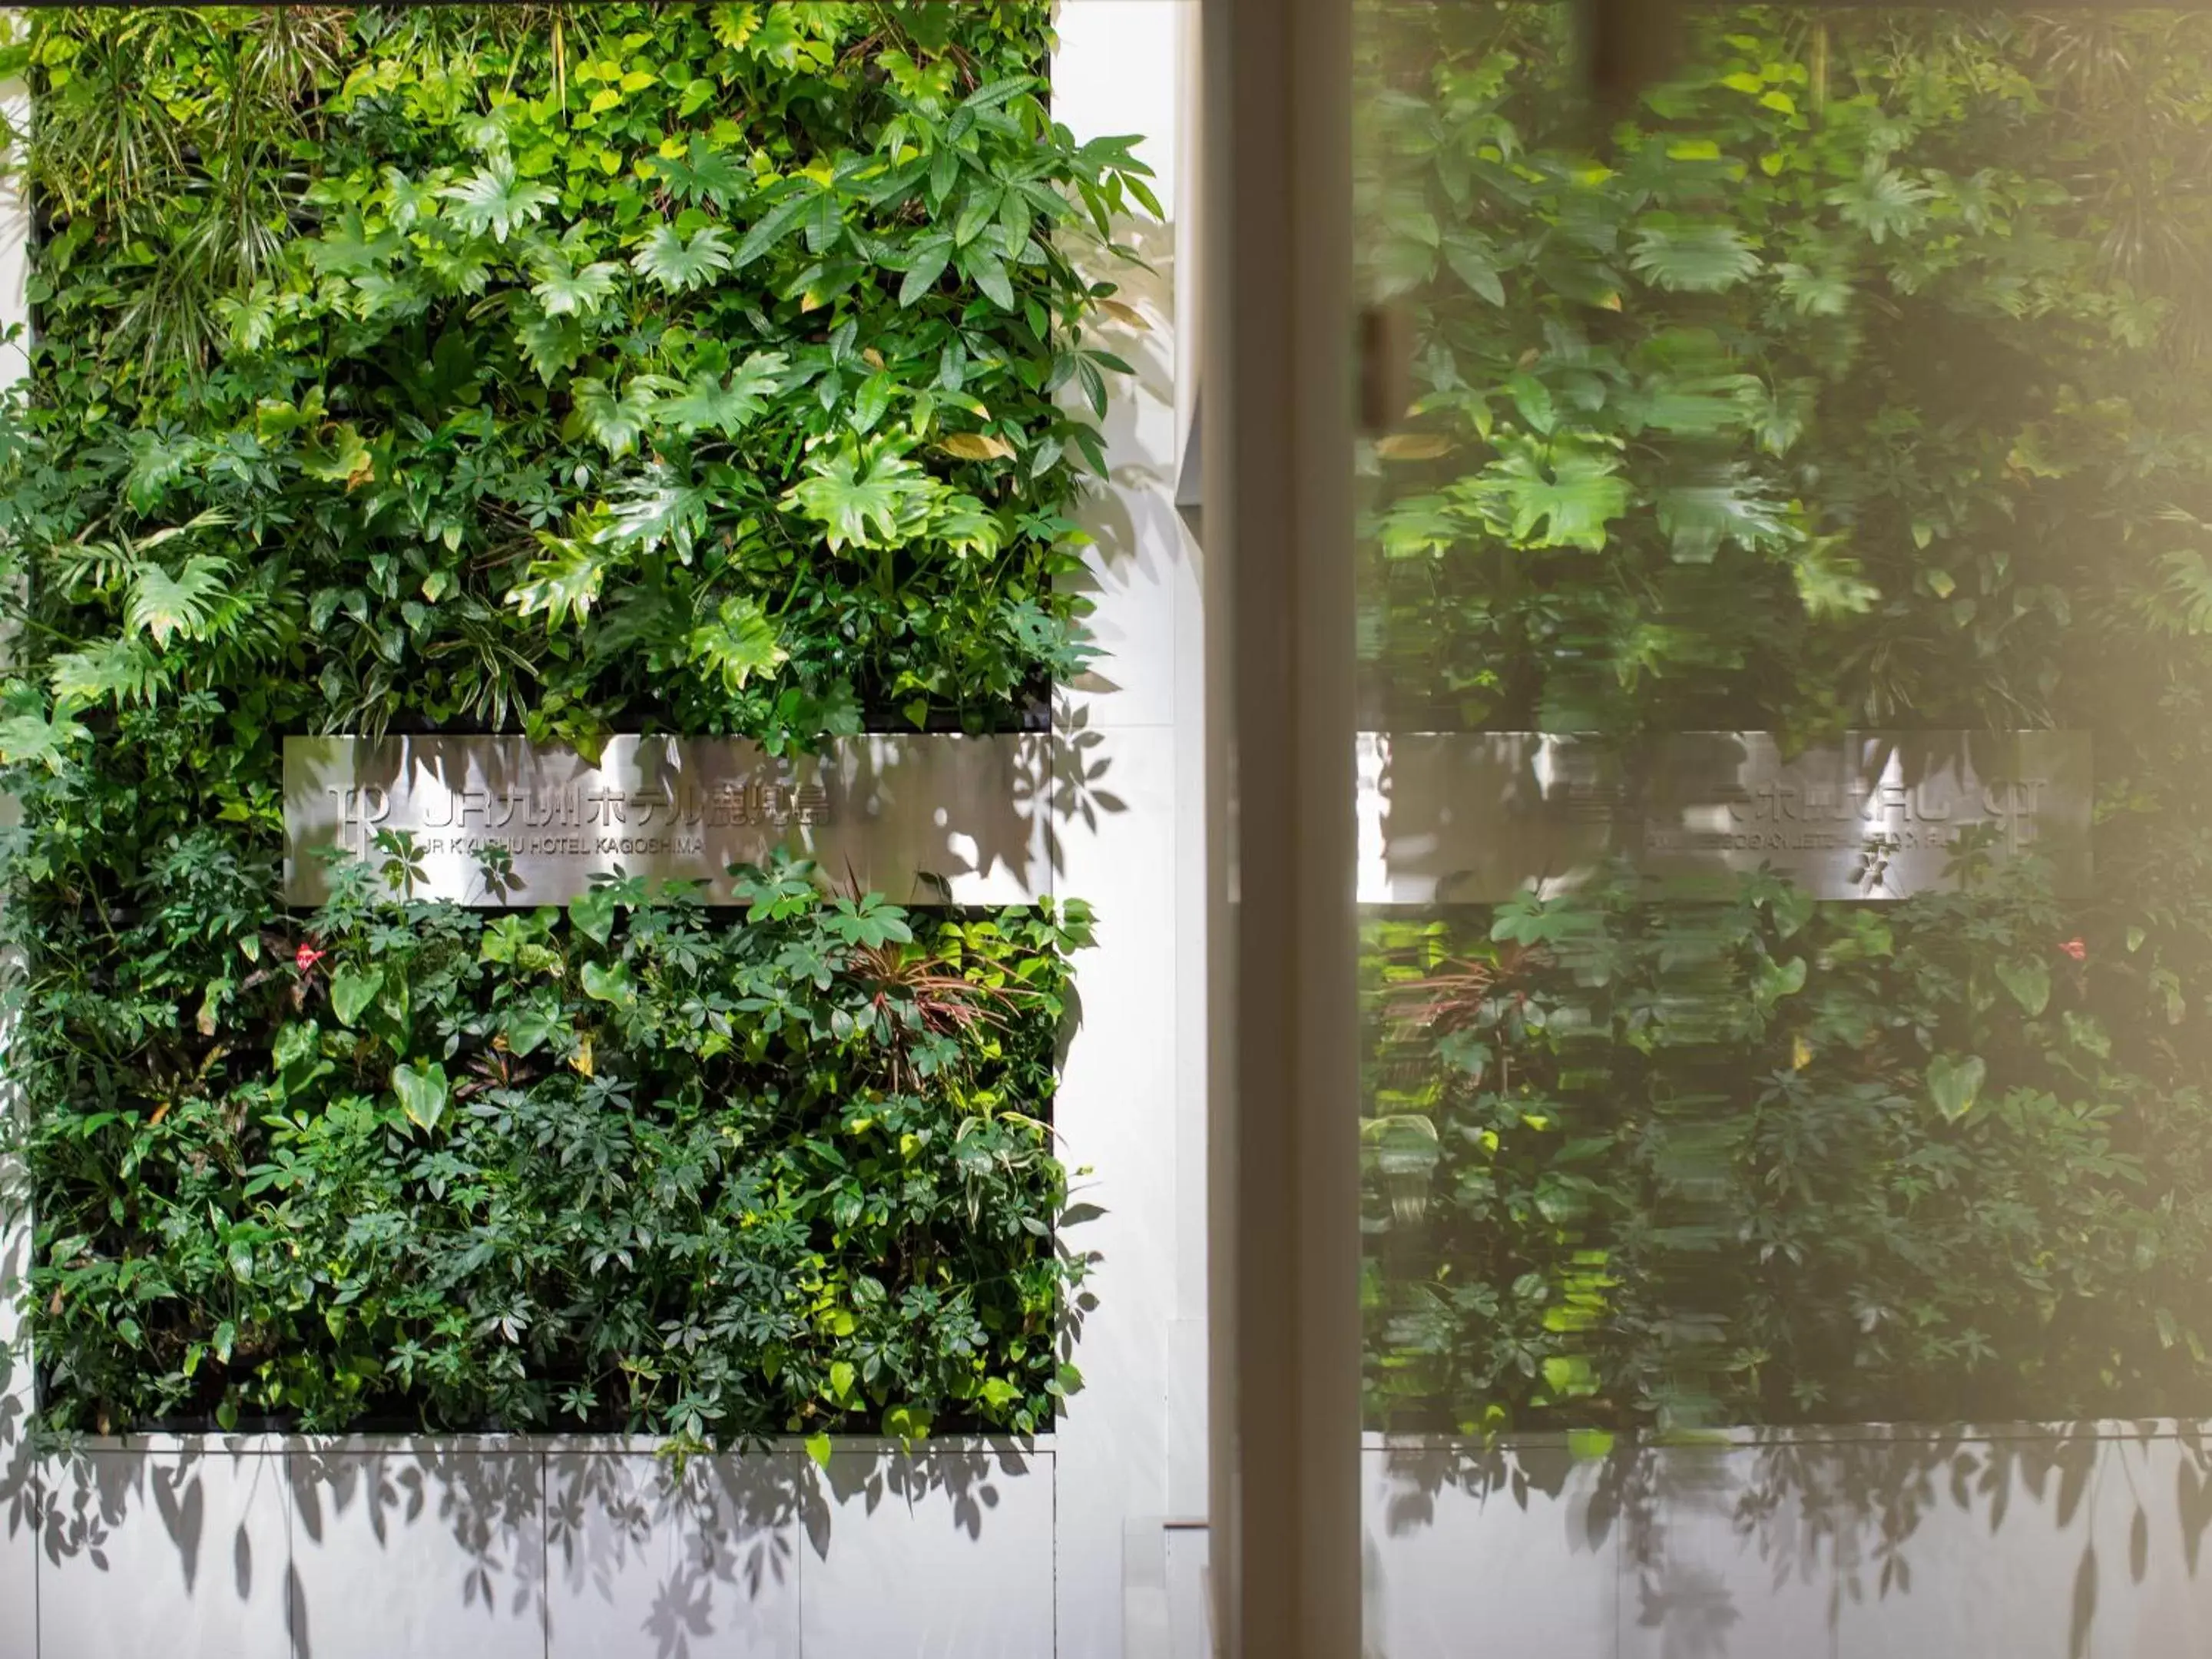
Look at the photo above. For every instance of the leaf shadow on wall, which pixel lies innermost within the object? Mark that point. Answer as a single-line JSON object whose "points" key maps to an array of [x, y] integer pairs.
{"points": [[2088, 1536], [404, 1546]]}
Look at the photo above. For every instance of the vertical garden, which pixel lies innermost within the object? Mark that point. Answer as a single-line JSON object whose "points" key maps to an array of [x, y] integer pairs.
{"points": [[1854, 379], [561, 371]]}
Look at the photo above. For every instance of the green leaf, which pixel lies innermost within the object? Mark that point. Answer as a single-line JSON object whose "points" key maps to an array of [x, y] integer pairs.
{"points": [[773, 227], [702, 172], [592, 914], [988, 272], [528, 1027], [164, 605], [553, 345], [907, 1423], [709, 403], [423, 1091], [738, 643], [1955, 1084], [1574, 501], [609, 984], [564, 585], [679, 266], [614, 423], [925, 262], [343, 458], [817, 1448], [1828, 581], [123, 671], [494, 199], [562, 292], [30, 738], [1690, 257], [2029, 983], [1882, 202], [872, 500], [352, 990]]}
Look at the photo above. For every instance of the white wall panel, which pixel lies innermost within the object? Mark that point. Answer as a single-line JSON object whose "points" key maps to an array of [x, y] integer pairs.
{"points": [[944, 1555], [642, 1561], [431, 1551], [163, 1553], [1131, 840]]}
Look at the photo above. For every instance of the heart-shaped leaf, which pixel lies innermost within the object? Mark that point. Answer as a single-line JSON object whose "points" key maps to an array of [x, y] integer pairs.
{"points": [[609, 984], [528, 1027], [352, 990], [423, 1091], [592, 914], [1956, 1082], [2029, 983]]}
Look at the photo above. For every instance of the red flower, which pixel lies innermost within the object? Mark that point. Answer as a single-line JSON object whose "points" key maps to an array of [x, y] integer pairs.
{"points": [[2076, 949], [306, 957]]}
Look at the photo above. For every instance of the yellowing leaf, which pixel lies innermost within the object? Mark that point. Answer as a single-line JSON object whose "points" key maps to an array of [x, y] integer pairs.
{"points": [[975, 446], [1413, 446]]}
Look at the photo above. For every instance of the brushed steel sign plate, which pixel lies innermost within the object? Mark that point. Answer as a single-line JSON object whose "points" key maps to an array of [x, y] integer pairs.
{"points": [[930, 818], [1476, 818]]}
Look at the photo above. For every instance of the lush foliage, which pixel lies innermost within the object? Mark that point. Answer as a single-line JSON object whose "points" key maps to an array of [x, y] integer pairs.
{"points": [[712, 368], [1856, 377], [631, 1164]]}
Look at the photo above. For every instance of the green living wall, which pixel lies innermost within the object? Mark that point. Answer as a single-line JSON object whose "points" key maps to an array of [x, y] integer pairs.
{"points": [[1859, 376], [713, 369]]}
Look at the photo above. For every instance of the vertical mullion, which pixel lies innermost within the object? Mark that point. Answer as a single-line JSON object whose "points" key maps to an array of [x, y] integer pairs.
{"points": [[1284, 1171]]}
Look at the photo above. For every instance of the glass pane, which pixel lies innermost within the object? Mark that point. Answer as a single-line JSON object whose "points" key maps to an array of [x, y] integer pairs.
{"points": [[1784, 611]]}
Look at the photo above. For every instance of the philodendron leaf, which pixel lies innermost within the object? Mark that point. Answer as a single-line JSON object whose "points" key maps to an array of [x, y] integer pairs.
{"points": [[2029, 983], [739, 642], [592, 914], [1956, 1082], [352, 990], [165, 606], [609, 984], [907, 1423], [423, 1091]]}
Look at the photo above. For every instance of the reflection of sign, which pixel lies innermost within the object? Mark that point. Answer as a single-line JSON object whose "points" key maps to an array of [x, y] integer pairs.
{"points": [[499, 821], [1878, 816]]}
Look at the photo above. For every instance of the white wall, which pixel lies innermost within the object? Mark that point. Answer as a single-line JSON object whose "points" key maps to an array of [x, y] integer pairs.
{"points": [[18, 1579], [1132, 1100], [2030, 1543]]}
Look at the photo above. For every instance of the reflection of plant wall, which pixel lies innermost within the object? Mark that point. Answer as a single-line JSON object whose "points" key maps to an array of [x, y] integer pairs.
{"points": [[1856, 378], [695, 368]]}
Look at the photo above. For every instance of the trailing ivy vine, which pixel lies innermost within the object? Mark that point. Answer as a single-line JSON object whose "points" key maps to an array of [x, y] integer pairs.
{"points": [[708, 368]]}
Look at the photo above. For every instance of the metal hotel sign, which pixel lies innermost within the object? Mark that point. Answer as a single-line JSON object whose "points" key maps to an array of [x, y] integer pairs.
{"points": [[1881, 814], [928, 818], [1444, 817]]}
